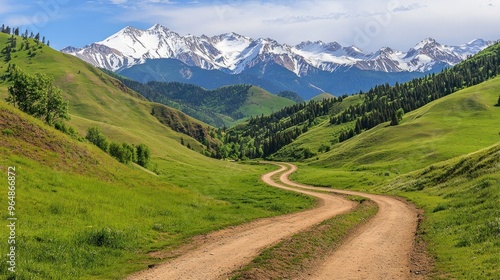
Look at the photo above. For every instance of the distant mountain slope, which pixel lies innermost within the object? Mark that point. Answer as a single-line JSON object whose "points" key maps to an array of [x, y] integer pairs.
{"points": [[444, 157], [133, 52]]}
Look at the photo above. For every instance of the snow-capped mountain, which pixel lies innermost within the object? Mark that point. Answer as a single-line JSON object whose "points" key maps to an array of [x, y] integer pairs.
{"points": [[308, 68], [234, 53]]}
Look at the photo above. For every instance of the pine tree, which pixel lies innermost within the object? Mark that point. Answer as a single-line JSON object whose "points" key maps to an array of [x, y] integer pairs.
{"points": [[394, 119], [8, 56]]}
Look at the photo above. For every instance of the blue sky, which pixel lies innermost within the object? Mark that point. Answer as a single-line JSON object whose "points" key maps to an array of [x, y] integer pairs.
{"points": [[368, 24]]}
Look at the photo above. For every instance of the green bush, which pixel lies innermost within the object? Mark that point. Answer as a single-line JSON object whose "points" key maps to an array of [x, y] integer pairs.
{"points": [[95, 136], [124, 153], [143, 155]]}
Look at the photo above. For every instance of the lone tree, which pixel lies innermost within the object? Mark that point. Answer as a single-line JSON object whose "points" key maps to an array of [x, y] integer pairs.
{"points": [[37, 96], [397, 117]]}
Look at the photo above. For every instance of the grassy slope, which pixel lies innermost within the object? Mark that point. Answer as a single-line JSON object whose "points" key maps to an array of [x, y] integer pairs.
{"points": [[262, 102], [322, 96], [461, 198], [454, 125], [81, 209], [323, 134], [460, 194], [95, 98]]}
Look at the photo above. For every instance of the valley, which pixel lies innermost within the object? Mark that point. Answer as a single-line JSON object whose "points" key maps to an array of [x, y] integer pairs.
{"points": [[413, 168]]}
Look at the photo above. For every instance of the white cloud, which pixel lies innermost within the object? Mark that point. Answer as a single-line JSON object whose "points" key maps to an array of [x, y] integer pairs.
{"points": [[406, 8], [118, 2]]}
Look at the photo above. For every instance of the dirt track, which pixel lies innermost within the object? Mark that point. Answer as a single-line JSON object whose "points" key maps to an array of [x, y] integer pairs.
{"points": [[379, 250], [227, 250]]}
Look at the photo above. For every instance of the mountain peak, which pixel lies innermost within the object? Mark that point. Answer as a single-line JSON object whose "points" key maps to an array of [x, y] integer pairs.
{"points": [[386, 50], [128, 29], [476, 42], [158, 27], [427, 42]]}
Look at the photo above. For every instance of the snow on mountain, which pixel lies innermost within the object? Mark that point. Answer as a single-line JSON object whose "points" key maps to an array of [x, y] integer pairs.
{"points": [[234, 53]]}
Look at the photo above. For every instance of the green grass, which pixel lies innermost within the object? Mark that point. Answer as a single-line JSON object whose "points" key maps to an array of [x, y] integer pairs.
{"points": [[458, 124], [461, 198], [261, 102], [82, 214]]}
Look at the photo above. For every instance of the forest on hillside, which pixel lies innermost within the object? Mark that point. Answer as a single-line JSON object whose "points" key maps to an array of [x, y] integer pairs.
{"points": [[262, 136]]}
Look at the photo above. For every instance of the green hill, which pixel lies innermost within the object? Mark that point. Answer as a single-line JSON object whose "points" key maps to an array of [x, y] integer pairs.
{"points": [[220, 107], [454, 125], [94, 217], [290, 95], [440, 157], [261, 102], [461, 199], [322, 96]]}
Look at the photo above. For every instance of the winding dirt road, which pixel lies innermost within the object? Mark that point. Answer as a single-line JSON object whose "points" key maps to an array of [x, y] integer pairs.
{"points": [[379, 250], [227, 250]]}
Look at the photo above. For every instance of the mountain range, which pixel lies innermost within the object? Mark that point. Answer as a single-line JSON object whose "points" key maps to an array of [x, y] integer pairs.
{"points": [[308, 68]]}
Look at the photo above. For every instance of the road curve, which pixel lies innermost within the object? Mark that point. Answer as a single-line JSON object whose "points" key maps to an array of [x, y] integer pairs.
{"points": [[379, 250], [227, 250]]}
